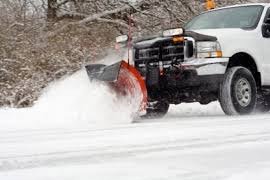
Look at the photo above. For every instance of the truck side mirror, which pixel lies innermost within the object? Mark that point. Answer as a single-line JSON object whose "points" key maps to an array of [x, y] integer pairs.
{"points": [[266, 30]]}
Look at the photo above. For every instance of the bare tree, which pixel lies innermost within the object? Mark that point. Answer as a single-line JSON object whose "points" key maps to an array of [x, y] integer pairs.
{"points": [[52, 9]]}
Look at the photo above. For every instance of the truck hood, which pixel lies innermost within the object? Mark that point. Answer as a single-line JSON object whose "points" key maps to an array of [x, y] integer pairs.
{"points": [[234, 40], [227, 33], [155, 40]]}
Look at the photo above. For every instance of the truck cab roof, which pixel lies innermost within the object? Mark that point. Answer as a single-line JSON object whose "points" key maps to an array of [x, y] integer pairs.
{"points": [[242, 5]]}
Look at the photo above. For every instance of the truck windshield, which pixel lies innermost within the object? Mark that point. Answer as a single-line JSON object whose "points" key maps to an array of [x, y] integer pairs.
{"points": [[235, 17]]}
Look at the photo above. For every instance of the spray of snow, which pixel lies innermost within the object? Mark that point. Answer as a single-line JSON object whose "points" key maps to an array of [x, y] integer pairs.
{"points": [[75, 98], [72, 101]]}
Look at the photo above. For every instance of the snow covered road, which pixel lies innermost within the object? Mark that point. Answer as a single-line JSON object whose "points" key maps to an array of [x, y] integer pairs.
{"points": [[207, 148], [192, 142]]}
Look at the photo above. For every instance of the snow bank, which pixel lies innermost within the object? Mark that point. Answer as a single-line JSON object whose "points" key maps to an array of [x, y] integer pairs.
{"points": [[195, 110]]}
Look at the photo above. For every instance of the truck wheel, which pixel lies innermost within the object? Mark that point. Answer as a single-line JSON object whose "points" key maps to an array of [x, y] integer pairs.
{"points": [[158, 110], [238, 92]]}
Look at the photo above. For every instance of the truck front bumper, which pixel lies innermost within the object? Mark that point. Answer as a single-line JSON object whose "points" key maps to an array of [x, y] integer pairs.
{"points": [[207, 66], [197, 80]]}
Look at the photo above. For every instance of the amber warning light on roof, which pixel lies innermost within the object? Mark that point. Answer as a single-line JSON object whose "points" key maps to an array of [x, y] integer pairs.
{"points": [[210, 4]]}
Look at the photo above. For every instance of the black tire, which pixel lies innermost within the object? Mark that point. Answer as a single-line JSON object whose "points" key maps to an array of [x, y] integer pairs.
{"points": [[238, 92], [158, 110]]}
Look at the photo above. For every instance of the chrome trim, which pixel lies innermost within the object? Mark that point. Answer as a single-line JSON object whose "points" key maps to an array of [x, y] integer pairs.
{"points": [[208, 66], [185, 49]]}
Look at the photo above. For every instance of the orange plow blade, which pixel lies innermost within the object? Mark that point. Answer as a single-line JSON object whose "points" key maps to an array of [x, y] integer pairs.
{"points": [[124, 79]]}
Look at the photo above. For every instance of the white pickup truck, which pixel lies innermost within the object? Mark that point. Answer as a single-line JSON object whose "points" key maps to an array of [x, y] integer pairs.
{"points": [[243, 48], [225, 56], [222, 54]]}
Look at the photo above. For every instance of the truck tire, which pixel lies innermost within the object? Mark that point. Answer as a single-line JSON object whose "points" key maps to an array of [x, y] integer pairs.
{"points": [[158, 110], [238, 92]]}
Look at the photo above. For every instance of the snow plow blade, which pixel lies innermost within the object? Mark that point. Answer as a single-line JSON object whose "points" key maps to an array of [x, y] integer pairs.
{"points": [[123, 78]]}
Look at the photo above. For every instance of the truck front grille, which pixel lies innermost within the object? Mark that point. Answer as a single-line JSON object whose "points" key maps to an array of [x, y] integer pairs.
{"points": [[167, 53], [148, 54], [173, 52]]}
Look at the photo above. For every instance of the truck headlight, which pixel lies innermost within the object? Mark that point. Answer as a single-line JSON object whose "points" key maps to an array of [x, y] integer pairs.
{"points": [[208, 49]]}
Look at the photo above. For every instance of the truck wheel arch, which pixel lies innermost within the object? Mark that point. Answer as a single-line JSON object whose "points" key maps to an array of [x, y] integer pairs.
{"points": [[245, 60]]}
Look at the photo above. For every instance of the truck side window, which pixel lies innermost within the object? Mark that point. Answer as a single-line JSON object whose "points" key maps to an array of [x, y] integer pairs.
{"points": [[267, 18], [266, 25]]}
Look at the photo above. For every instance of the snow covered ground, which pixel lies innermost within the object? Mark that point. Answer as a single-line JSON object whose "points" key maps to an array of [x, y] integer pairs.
{"points": [[77, 130]]}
